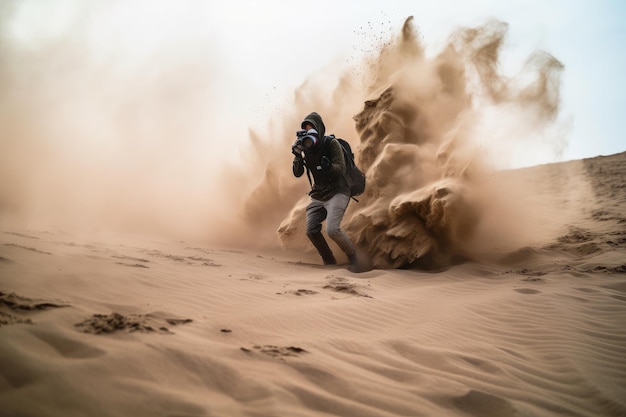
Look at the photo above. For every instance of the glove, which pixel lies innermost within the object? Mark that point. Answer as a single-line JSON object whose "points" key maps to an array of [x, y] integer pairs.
{"points": [[326, 164]]}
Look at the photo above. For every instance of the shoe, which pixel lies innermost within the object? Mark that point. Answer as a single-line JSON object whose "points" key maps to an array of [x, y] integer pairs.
{"points": [[355, 266]]}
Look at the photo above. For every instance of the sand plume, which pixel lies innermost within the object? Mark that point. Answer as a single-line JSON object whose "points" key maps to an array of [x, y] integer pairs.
{"points": [[133, 149], [428, 156], [128, 325]]}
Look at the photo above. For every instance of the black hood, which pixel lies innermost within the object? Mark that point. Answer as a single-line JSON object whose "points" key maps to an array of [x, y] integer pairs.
{"points": [[316, 120]]}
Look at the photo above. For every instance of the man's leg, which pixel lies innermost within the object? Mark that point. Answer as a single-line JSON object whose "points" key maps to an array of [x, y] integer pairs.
{"points": [[335, 208], [315, 215]]}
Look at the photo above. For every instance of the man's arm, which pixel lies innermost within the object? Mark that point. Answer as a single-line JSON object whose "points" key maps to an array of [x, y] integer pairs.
{"points": [[338, 164], [298, 166]]}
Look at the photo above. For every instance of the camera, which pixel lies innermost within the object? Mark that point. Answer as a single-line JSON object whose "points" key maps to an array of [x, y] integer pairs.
{"points": [[305, 140]]}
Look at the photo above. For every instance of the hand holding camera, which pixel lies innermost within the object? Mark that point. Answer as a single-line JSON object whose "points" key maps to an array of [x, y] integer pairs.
{"points": [[305, 140], [297, 151]]}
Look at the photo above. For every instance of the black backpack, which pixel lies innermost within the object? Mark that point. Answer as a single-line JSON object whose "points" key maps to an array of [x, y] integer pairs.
{"points": [[354, 176]]}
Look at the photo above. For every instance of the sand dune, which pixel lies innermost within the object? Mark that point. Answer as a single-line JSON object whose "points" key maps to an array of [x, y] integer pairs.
{"points": [[127, 325], [511, 300]]}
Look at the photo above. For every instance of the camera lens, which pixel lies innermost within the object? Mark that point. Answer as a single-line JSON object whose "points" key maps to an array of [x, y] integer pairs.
{"points": [[310, 139], [308, 142]]}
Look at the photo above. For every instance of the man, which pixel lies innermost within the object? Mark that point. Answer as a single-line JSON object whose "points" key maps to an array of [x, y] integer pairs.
{"points": [[330, 193]]}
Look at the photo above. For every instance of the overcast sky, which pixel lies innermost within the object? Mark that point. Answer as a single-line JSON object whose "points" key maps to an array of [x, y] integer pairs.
{"points": [[259, 51]]}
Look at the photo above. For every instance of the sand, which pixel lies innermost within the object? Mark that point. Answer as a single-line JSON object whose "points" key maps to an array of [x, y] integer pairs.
{"points": [[130, 287], [128, 325]]}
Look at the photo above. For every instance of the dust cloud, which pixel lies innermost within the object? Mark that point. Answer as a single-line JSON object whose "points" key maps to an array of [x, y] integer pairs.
{"points": [[90, 146], [94, 139], [432, 135]]}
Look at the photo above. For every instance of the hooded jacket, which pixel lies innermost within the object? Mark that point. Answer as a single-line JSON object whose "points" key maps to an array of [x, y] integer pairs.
{"points": [[326, 184]]}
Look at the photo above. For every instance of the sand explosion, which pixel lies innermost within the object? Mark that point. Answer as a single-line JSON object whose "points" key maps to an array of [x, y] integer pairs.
{"points": [[425, 129], [422, 142]]}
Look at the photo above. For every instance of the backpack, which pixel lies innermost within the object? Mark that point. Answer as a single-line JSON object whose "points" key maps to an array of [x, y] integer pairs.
{"points": [[354, 176]]}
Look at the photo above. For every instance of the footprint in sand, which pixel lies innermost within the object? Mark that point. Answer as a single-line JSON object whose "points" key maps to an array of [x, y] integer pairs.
{"points": [[526, 291], [109, 323], [344, 285], [300, 292], [13, 308], [276, 351]]}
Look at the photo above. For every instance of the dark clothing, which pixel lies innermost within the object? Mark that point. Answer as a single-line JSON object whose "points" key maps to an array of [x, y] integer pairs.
{"points": [[330, 193], [325, 183], [317, 122]]}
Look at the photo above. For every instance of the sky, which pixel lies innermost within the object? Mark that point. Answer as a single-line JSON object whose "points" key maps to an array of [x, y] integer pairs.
{"points": [[255, 53]]}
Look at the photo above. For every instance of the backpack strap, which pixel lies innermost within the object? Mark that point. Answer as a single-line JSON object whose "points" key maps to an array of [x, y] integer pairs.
{"points": [[308, 172], [326, 144]]}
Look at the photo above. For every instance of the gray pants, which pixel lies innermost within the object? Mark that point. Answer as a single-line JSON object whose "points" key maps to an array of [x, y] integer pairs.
{"points": [[331, 210]]}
